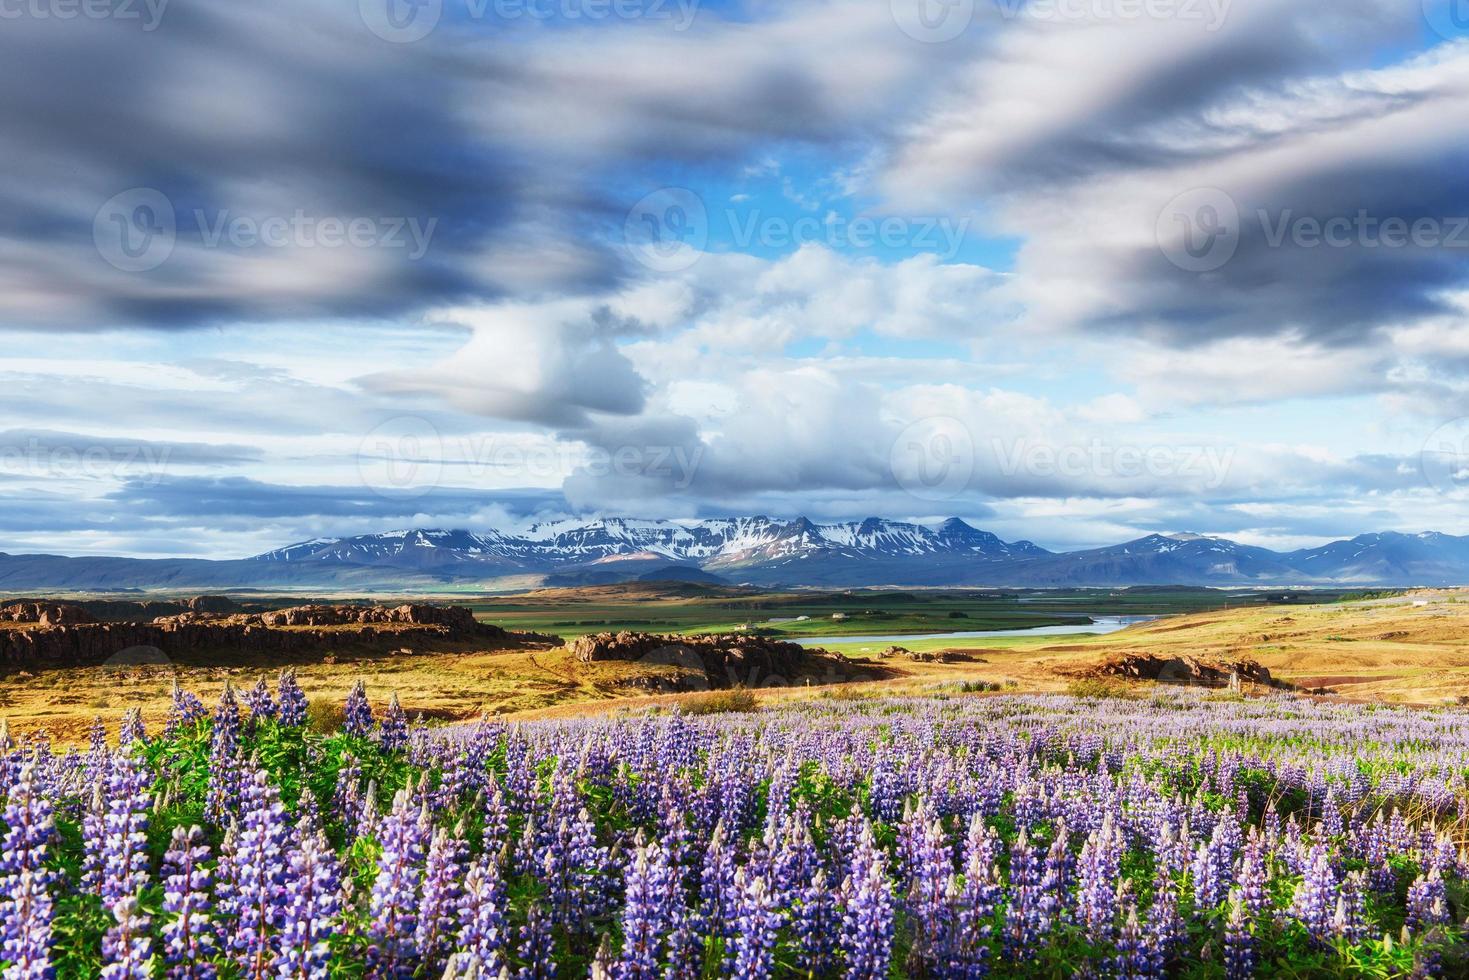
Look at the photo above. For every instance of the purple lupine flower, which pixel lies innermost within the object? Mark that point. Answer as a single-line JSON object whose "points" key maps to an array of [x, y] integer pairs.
{"points": [[1100, 863], [392, 736], [291, 701], [223, 797], [26, 911], [1315, 899], [133, 729], [537, 947], [1165, 927], [928, 867], [395, 891], [94, 838], [25, 899], [124, 857], [1428, 901], [442, 885], [259, 702], [347, 794], [867, 912], [1023, 917], [482, 925], [313, 901], [188, 930], [973, 905], [496, 817], [717, 897], [1212, 866], [127, 949], [757, 924], [258, 886], [644, 913], [1254, 877], [185, 710], [1134, 958], [357, 714], [815, 923], [1240, 956]]}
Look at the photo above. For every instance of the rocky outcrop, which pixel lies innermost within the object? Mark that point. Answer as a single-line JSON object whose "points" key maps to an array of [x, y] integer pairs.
{"points": [[725, 660], [318, 629], [454, 618], [45, 613], [1179, 670]]}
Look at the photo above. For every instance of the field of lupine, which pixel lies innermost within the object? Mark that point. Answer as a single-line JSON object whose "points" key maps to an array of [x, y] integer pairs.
{"points": [[949, 836]]}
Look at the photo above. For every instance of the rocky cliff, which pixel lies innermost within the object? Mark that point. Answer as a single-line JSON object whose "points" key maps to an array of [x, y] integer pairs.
{"points": [[61, 635], [727, 660]]}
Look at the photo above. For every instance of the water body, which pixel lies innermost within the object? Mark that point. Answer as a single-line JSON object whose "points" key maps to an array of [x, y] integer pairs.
{"points": [[1099, 624]]}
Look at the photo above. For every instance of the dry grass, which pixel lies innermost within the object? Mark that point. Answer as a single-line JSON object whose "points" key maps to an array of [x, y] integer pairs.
{"points": [[1387, 650]]}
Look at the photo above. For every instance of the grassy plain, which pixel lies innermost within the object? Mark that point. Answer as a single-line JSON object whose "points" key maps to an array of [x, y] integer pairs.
{"points": [[1409, 649]]}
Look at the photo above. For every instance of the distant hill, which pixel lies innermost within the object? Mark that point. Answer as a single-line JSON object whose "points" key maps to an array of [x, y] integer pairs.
{"points": [[759, 551]]}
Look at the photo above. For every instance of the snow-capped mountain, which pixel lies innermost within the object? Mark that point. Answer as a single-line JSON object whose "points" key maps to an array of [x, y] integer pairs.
{"points": [[768, 551], [728, 543], [761, 551]]}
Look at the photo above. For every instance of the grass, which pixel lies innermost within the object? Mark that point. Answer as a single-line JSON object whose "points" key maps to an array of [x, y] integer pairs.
{"points": [[719, 703], [1399, 653], [660, 607]]}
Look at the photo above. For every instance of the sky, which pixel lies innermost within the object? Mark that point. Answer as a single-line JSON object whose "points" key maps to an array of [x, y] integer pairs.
{"points": [[1076, 271]]}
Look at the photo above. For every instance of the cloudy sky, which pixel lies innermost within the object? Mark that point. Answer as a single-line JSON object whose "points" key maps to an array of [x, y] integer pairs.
{"points": [[1075, 270]]}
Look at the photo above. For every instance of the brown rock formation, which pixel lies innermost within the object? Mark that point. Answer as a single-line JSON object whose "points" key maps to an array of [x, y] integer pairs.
{"points": [[319, 630], [1179, 670], [728, 660]]}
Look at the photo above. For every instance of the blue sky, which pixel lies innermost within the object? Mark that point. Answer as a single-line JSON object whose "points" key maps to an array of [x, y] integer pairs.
{"points": [[1075, 273]]}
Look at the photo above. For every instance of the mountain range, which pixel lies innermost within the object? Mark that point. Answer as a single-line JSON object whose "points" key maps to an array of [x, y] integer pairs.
{"points": [[758, 551]]}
